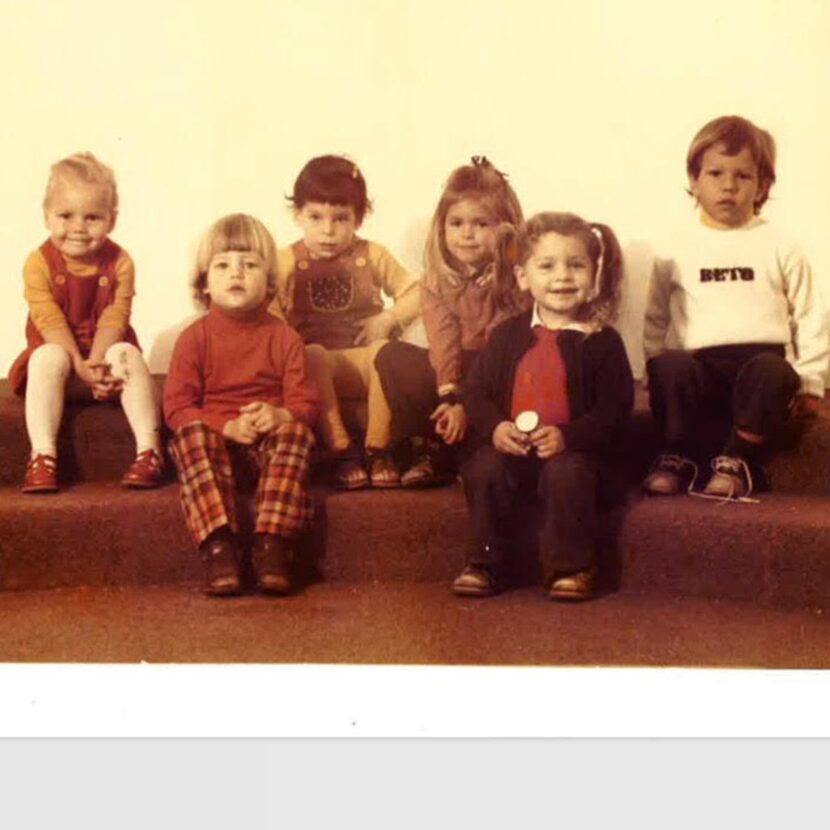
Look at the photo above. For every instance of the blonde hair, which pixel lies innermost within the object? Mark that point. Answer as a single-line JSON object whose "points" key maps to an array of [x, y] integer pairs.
{"points": [[236, 232], [735, 133], [481, 182], [517, 245], [85, 169]]}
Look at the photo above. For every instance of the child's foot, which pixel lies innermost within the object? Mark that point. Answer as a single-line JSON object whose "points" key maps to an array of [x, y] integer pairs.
{"points": [[349, 473], [383, 473], [221, 559], [41, 474], [475, 581], [731, 478], [271, 564], [669, 475], [420, 474], [576, 586], [146, 472]]}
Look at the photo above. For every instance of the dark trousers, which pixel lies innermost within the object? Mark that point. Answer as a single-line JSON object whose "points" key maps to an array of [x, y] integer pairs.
{"points": [[566, 486], [749, 387], [409, 385]]}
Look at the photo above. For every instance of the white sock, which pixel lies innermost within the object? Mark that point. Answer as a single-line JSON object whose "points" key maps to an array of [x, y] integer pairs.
{"points": [[138, 397], [47, 373]]}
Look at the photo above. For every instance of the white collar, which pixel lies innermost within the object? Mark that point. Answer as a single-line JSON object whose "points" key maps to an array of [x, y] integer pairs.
{"points": [[585, 328]]}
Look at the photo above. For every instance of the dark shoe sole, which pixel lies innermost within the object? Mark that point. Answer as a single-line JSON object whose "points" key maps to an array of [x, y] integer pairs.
{"points": [[571, 596]]}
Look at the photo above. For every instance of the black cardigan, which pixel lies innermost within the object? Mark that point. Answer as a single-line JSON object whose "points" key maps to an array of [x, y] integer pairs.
{"points": [[600, 386]]}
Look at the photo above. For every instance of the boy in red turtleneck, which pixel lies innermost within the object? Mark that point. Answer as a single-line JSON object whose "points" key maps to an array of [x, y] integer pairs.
{"points": [[238, 387]]}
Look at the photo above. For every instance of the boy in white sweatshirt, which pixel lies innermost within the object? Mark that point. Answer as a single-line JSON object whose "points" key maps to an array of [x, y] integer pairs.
{"points": [[737, 305]]}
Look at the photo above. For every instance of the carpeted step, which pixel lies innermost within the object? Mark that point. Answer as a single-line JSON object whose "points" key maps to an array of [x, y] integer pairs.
{"points": [[402, 623], [95, 444], [774, 553]]}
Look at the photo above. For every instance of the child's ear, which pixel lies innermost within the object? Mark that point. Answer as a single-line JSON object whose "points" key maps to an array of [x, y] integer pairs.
{"points": [[519, 273], [693, 185]]}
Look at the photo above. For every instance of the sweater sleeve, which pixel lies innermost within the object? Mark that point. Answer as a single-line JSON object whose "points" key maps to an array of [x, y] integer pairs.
{"points": [[479, 395], [811, 343], [117, 314], [443, 330], [184, 386], [613, 395], [398, 283], [283, 300], [658, 312], [37, 289], [300, 395]]}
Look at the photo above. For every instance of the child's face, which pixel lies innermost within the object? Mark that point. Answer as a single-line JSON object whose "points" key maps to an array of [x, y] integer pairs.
{"points": [[328, 230], [79, 218], [559, 275], [727, 186], [237, 281], [470, 233]]}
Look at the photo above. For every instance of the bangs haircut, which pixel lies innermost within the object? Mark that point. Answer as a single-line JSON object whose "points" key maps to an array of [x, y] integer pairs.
{"points": [[332, 180], [237, 232], [735, 133], [603, 308], [84, 169], [478, 182]]}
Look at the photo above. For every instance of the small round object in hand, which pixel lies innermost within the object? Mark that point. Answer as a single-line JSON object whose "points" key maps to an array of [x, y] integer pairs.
{"points": [[527, 421]]}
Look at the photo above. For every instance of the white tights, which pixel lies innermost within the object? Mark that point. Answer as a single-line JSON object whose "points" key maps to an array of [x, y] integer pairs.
{"points": [[49, 369]]}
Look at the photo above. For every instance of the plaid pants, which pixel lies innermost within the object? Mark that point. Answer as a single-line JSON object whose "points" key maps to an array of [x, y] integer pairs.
{"points": [[211, 471]]}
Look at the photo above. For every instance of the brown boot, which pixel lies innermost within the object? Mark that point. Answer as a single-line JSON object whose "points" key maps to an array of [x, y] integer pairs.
{"points": [[272, 564], [220, 555]]}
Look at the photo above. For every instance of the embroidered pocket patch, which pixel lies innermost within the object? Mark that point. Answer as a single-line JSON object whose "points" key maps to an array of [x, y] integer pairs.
{"points": [[333, 292]]}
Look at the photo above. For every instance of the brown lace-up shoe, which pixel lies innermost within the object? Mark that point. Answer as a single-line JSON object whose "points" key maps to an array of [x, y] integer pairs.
{"points": [[576, 586], [221, 559], [669, 475], [475, 581], [272, 564]]}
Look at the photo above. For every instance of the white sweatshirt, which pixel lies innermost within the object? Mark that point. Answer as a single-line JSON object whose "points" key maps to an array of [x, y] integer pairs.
{"points": [[747, 285]]}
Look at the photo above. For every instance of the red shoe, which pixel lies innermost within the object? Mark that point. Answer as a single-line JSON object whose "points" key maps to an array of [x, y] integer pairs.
{"points": [[146, 472], [41, 474]]}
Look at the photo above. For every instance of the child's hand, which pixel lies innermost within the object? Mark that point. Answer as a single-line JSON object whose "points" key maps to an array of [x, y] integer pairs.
{"points": [[508, 439], [264, 417], [450, 422], [98, 378], [241, 430], [548, 441], [377, 327], [805, 406]]}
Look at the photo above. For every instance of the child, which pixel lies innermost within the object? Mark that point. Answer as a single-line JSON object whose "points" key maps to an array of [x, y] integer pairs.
{"points": [[238, 392], [330, 291], [464, 296], [749, 334], [562, 364], [79, 287]]}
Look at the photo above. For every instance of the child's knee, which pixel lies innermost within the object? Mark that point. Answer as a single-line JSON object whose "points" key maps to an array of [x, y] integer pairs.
{"points": [[50, 359], [125, 360]]}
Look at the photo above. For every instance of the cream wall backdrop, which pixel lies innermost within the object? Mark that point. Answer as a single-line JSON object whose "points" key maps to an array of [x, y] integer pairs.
{"points": [[205, 108]]}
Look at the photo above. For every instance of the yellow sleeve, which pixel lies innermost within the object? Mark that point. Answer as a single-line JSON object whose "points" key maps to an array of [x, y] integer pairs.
{"points": [[398, 283], [37, 289], [117, 314], [284, 298]]}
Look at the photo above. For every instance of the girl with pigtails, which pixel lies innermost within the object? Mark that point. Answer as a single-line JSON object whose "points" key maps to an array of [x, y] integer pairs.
{"points": [[549, 393], [463, 298]]}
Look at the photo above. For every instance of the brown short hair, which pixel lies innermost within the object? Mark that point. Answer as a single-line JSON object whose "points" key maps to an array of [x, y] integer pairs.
{"points": [[735, 133], [332, 180]]}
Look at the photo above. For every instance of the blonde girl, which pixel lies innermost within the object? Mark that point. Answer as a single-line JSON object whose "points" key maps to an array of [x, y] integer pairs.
{"points": [[464, 295]]}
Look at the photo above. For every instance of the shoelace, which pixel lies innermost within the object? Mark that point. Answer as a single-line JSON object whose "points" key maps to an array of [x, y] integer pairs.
{"points": [[676, 464], [727, 465]]}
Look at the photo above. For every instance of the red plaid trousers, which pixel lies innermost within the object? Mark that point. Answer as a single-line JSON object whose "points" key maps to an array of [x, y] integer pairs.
{"points": [[210, 467]]}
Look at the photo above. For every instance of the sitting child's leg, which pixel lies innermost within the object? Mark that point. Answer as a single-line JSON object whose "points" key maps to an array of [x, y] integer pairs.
{"points": [[568, 490], [138, 400], [208, 500], [489, 486], [283, 508], [48, 370], [763, 392], [355, 376], [678, 388]]}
